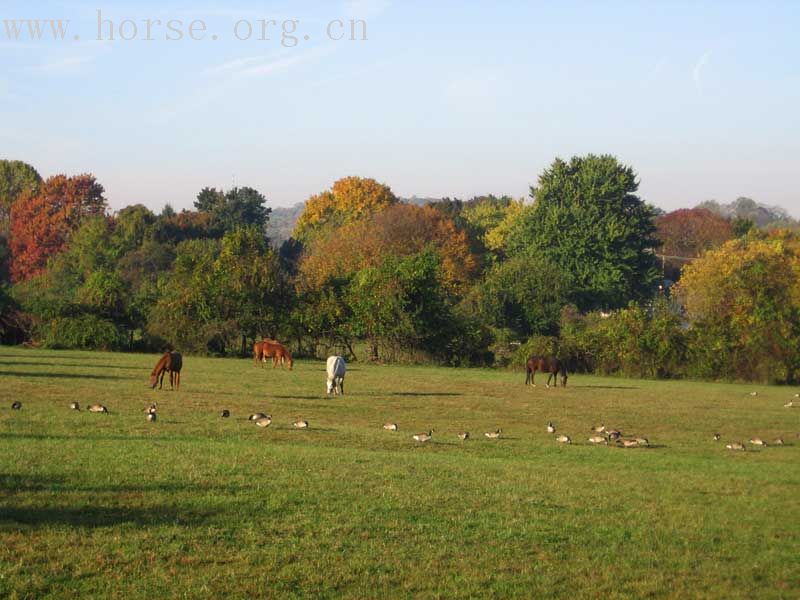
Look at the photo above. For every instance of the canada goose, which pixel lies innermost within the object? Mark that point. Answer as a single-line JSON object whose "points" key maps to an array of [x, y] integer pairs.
{"points": [[151, 416], [493, 435], [300, 424], [627, 443], [717, 437], [778, 441], [735, 446], [390, 426], [225, 414], [97, 408], [264, 421], [599, 428], [151, 410], [563, 439], [74, 406], [643, 441], [754, 394], [757, 441], [598, 439], [256, 416], [423, 437], [797, 395], [614, 434], [16, 405], [550, 427], [464, 436], [789, 404]]}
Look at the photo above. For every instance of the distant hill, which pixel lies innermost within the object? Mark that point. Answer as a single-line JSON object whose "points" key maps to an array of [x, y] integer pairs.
{"points": [[746, 208], [282, 220]]}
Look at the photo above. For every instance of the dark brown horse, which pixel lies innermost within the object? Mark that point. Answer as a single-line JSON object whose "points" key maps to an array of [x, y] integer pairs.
{"points": [[172, 362], [271, 349], [551, 366]]}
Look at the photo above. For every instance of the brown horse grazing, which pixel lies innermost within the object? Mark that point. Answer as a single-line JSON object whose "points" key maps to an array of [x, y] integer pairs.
{"points": [[172, 362], [551, 366], [271, 349]]}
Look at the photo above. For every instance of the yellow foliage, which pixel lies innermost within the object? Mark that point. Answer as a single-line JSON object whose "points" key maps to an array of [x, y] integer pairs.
{"points": [[350, 199]]}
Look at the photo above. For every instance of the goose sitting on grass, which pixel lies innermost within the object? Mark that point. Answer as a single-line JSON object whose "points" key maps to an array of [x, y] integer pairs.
{"points": [[493, 435], [550, 427], [717, 437], [151, 416], [757, 441], [563, 439], [627, 443], [423, 437], [256, 416], [300, 424], [74, 406], [778, 441], [598, 428], [614, 434], [390, 426], [737, 446], [225, 413], [643, 441], [264, 421], [463, 436], [598, 439], [97, 408], [16, 405]]}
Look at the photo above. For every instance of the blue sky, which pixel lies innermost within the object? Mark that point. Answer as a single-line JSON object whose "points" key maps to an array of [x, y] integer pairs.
{"points": [[443, 99]]}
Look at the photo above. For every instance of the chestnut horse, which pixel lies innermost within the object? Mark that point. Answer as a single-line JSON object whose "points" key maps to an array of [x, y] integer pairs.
{"points": [[172, 362], [551, 366], [271, 349]]}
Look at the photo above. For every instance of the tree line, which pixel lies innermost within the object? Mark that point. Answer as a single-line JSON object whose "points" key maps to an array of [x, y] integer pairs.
{"points": [[583, 269]]}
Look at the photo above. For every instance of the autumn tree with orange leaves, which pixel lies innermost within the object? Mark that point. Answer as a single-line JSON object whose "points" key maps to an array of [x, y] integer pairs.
{"points": [[401, 230], [42, 221]]}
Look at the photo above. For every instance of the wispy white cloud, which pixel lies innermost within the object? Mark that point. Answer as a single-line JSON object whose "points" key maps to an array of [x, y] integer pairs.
{"points": [[365, 9], [697, 71]]}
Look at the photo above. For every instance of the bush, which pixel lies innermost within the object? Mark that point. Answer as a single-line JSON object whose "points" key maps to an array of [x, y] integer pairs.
{"points": [[82, 332]]}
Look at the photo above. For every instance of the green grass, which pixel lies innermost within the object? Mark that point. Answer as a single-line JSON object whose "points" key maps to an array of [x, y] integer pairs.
{"points": [[195, 506]]}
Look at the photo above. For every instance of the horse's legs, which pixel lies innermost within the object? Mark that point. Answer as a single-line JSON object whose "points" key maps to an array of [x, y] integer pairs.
{"points": [[527, 376], [533, 377], [549, 377], [161, 379], [178, 381]]}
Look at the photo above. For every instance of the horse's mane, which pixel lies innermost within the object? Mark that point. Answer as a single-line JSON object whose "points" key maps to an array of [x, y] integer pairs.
{"points": [[161, 364]]}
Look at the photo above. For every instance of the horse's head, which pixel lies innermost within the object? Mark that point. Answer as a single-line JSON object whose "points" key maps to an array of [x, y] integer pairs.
{"points": [[289, 362], [330, 386], [153, 381]]}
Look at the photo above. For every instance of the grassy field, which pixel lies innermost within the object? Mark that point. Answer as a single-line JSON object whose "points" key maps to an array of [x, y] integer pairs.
{"points": [[195, 506]]}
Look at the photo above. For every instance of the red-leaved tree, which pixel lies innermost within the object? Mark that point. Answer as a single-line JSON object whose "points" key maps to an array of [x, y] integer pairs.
{"points": [[41, 222]]}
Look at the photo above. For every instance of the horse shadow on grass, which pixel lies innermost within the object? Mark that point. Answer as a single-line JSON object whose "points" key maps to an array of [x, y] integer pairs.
{"points": [[24, 374], [103, 516], [605, 387]]}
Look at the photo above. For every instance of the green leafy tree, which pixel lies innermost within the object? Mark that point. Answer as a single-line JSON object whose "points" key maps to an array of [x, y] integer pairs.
{"points": [[588, 220], [15, 177]]}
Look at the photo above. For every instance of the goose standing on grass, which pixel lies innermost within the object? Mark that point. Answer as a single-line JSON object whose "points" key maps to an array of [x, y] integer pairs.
{"points": [[390, 426], [151, 410], [563, 439], [264, 421], [17, 405], [778, 441], [717, 437], [225, 413], [493, 435], [463, 436], [300, 424], [757, 441], [550, 427], [423, 437], [74, 406], [598, 439], [151, 416], [97, 408], [735, 446]]}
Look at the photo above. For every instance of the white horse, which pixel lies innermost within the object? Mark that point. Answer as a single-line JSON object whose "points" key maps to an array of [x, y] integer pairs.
{"points": [[336, 368]]}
